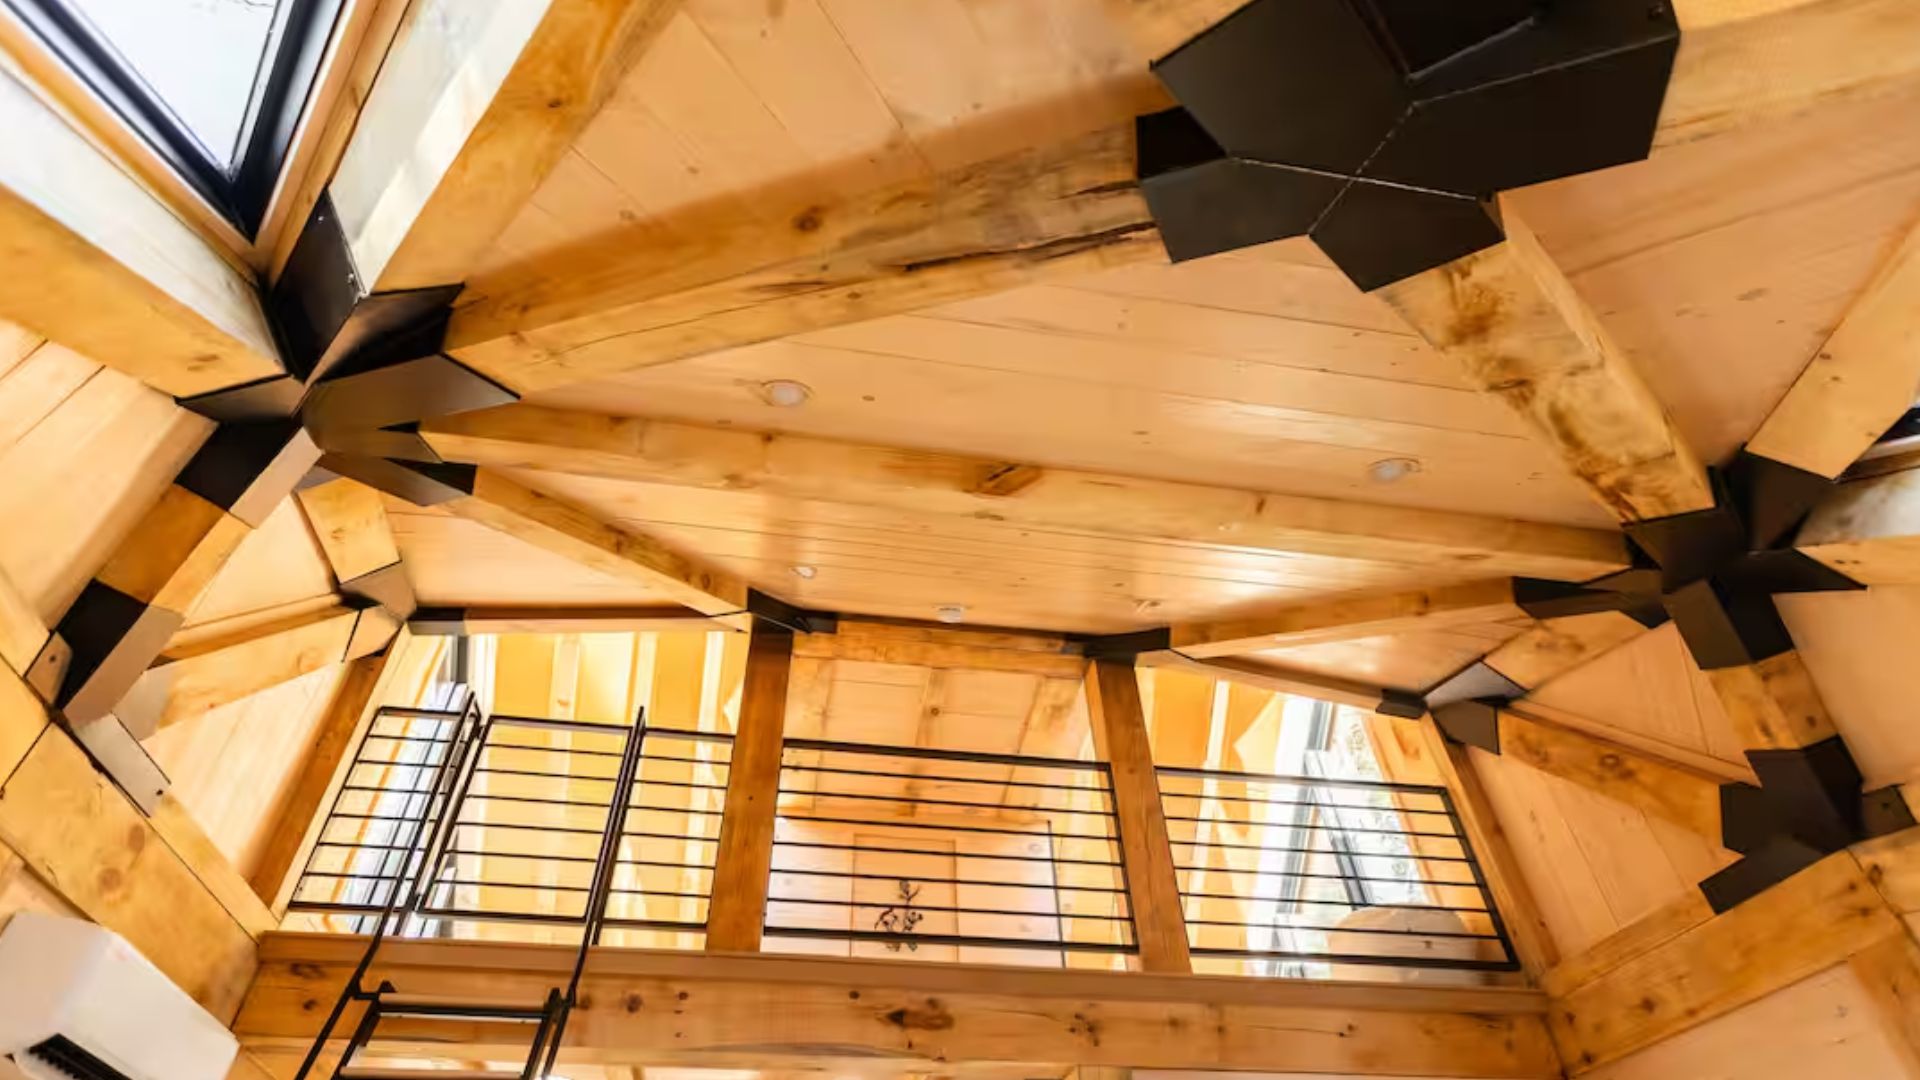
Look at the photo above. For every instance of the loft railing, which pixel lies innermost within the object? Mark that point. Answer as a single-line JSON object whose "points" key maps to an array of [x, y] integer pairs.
{"points": [[1290, 875], [888, 852], [516, 834], [946, 855]]}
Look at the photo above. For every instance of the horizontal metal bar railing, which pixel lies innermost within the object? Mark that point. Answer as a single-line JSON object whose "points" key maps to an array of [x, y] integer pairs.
{"points": [[1313, 875], [946, 855]]}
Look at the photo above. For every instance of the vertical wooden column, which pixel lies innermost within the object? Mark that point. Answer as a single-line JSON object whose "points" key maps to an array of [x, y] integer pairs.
{"points": [[738, 909], [1153, 888]]}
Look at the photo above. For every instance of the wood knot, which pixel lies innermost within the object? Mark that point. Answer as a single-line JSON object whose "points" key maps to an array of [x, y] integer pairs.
{"points": [[632, 1003], [808, 220], [932, 1017]]}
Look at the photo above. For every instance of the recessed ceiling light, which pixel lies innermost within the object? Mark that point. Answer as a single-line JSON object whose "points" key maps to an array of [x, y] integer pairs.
{"points": [[804, 571], [950, 613], [785, 393], [1389, 470]]}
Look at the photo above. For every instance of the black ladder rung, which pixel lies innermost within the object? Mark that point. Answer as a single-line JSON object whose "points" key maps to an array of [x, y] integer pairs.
{"points": [[420, 1006], [398, 1073]]}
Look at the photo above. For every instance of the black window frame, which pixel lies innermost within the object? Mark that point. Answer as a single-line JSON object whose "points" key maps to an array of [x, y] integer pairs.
{"points": [[241, 190]]}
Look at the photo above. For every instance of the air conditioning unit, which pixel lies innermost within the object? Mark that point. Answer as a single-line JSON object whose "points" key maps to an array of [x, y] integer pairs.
{"points": [[78, 1003]]}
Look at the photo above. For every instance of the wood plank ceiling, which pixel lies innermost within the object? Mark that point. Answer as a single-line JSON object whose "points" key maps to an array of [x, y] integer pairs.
{"points": [[1719, 266]]}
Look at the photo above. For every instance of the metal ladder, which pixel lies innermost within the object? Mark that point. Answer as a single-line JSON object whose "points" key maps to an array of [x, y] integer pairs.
{"points": [[384, 1002]]}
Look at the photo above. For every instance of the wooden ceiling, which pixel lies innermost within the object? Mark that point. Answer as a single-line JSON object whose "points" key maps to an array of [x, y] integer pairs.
{"points": [[1719, 267]]}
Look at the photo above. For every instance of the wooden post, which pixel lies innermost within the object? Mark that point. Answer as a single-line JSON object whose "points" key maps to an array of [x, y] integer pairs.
{"points": [[738, 909], [1153, 888]]}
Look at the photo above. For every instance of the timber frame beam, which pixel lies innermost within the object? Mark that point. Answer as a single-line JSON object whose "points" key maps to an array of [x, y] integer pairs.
{"points": [[665, 1008], [798, 466]]}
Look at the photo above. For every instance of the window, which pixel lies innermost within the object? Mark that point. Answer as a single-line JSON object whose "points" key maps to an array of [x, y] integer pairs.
{"points": [[216, 87]]}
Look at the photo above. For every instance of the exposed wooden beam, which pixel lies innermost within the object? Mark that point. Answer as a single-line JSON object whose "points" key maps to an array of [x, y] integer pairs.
{"points": [[1520, 332], [1307, 684], [1533, 943], [1772, 704], [474, 105], [79, 833], [508, 506], [626, 299], [1861, 379], [1664, 788], [550, 620], [737, 910], [114, 274], [192, 682], [1664, 923], [688, 455], [1153, 886], [1807, 923], [1869, 529], [1352, 615], [771, 1012], [1552, 648], [878, 643], [350, 521]]}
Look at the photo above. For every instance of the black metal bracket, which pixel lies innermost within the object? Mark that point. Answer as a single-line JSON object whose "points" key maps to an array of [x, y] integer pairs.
{"points": [[772, 609], [363, 368], [1383, 128]]}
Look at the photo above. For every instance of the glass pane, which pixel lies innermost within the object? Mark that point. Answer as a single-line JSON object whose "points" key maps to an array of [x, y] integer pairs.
{"points": [[200, 57]]}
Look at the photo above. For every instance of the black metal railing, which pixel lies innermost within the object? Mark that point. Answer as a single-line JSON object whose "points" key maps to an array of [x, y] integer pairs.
{"points": [[396, 789], [1289, 875], [946, 855]]}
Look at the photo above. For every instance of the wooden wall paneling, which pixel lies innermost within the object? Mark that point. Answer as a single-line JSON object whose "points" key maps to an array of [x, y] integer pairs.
{"points": [[231, 768], [304, 797], [737, 911], [1153, 889], [1666, 789], [117, 275]]}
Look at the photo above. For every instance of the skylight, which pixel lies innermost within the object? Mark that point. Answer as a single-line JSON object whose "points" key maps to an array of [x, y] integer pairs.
{"points": [[215, 86]]}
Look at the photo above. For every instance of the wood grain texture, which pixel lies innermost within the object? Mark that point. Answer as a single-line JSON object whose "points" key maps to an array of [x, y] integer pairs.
{"points": [[1749, 62], [1865, 376], [767, 1011], [76, 831], [1666, 789], [350, 521], [502, 504], [1868, 529], [192, 682], [1553, 647], [116, 275], [1809, 922], [1773, 705], [1153, 887], [1509, 316], [1533, 943], [1686, 911], [743, 865], [607, 305], [1356, 615], [475, 103]]}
